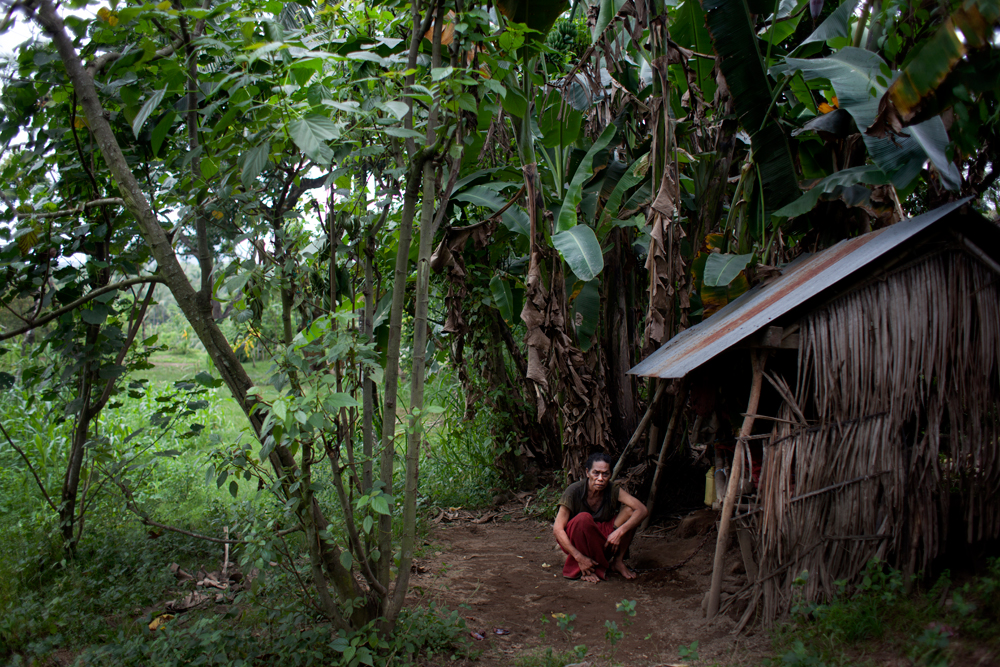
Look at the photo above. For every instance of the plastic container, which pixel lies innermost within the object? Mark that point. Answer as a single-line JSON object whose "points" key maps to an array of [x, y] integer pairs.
{"points": [[710, 486]]}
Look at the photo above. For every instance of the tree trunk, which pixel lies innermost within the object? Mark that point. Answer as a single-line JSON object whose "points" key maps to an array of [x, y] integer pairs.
{"points": [[617, 342], [71, 481]]}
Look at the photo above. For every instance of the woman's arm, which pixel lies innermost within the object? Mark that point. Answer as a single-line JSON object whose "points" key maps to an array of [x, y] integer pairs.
{"points": [[635, 518], [559, 530]]}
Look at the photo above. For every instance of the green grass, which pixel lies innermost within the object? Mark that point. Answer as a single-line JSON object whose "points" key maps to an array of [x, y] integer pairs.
{"points": [[101, 602], [169, 367]]}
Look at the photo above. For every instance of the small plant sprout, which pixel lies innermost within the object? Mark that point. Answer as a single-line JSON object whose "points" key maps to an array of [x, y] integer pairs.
{"points": [[689, 652], [612, 634], [564, 623], [627, 607]]}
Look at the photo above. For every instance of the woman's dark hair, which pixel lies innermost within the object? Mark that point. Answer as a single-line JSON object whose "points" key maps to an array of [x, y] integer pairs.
{"points": [[595, 457]]}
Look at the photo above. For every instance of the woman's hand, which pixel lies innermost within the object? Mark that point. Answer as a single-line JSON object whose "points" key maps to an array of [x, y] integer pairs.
{"points": [[614, 540], [586, 564]]}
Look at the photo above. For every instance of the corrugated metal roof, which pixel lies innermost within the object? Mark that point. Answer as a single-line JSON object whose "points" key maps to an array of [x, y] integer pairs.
{"points": [[799, 282]]}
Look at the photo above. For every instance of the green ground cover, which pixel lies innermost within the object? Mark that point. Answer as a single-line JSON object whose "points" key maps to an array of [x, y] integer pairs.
{"points": [[96, 608]]}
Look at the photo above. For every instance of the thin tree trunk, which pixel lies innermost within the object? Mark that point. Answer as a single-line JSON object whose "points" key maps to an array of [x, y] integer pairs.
{"points": [[367, 383], [71, 481], [152, 232], [216, 345], [418, 350], [391, 374]]}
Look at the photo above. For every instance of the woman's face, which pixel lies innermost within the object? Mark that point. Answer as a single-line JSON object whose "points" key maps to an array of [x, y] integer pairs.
{"points": [[598, 476]]}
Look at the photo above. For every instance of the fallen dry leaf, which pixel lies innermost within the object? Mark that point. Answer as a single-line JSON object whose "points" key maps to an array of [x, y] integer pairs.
{"points": [[159, 621]]}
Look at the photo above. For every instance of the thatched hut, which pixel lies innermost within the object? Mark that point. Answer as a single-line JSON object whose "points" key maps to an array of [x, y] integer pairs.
{"points": [[882, 363]]}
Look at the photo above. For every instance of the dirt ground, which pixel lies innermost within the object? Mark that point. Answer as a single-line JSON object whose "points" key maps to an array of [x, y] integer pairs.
{"points": [[508, 575]]}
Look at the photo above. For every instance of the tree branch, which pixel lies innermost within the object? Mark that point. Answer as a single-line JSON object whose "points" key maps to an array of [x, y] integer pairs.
{"points": [[109, 201], [41, 321], [100, 62], [132, 331], [79, 149], [31, 468], [146, 521]]}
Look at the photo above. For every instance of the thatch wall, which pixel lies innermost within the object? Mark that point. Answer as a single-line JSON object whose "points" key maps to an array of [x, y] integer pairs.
{"points": [[894, 413]]}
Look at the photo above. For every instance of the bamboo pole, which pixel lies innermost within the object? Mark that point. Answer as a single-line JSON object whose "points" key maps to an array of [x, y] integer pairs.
{"points": [[668, 437], [758, 359], [660, 386]]}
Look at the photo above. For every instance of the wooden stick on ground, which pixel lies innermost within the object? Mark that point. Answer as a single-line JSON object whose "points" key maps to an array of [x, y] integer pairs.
{"points": [[668, 437], [734, 481]]}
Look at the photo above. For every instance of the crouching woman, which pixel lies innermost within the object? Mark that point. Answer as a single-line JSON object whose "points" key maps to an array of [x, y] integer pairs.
{"points": [[596, 523]]}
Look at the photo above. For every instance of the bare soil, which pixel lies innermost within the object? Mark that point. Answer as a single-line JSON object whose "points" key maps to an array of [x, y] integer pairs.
{"points": [[508, 575]]}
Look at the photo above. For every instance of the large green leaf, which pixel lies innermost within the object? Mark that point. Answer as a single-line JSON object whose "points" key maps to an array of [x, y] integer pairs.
{"points": [[502, 298], [837, 24], [859, 78], [785, 27], [732, 32], [539, 15], [515, 103], [631, 179], [514, 218], [688, 30], [161, 130], [845, 178], [559, 131], [567, 213], [971, 24], [253, 162], [310, 132], [802, 93], [581, 251], [720, 270], [609, 9], [147, 108]]}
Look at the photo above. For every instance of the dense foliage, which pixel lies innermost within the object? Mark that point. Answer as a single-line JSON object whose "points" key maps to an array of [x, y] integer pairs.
{"points": [[582, 183]]}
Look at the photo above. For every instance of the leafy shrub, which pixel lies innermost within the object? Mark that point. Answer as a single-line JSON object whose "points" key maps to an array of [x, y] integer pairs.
{"points": [[919, 625], [460, 454], [288, 638]]}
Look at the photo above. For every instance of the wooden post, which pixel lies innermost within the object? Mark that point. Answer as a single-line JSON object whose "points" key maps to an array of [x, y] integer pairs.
{"points": [[660, 386], [668, 437], [758, 358]]}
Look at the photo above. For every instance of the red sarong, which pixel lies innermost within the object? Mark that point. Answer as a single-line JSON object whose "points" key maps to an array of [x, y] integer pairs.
{"points": [[589, 537]]}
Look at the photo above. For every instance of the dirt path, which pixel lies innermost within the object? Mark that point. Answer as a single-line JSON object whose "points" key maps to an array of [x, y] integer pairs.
{"points": [[509, 576]]}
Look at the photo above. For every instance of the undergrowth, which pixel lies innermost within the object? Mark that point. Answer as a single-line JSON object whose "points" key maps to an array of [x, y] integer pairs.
{"points": [[931, 627], [96, 608], [288, 637]]}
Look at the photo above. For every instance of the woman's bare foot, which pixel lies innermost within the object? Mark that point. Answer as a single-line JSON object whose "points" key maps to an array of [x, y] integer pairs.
{"points": [[592, 578], [621, 568]]}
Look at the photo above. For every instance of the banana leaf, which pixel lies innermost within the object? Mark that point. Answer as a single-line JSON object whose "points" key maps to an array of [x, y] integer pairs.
{"points": [[920, 79], [688, 30], [720, 270], [859, 78], [837, 24], [835, 184], [608, 10], [732, 32], [539, 15]]}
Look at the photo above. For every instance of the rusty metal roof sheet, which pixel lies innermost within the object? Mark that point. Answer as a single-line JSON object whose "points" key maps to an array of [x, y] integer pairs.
{"points": [[799, 282]]}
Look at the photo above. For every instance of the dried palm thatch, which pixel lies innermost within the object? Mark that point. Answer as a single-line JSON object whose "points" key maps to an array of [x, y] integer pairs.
{"points": [[899, 383]]}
